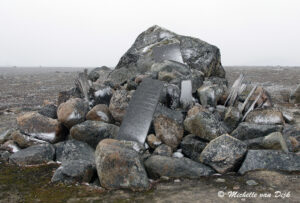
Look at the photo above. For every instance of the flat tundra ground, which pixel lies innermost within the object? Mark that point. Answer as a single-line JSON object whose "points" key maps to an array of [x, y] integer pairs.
{"points": [[26, 89]]}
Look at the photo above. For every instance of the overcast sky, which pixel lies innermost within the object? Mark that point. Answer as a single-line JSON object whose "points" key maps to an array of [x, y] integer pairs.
{"points": [[95, 32]]}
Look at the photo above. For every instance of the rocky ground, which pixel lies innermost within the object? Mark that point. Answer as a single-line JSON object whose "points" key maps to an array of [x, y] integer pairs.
{"points": [[27, 89]]}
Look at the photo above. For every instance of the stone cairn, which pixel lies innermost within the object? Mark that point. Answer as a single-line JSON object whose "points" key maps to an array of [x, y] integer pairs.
{"points": [[164, 111]]}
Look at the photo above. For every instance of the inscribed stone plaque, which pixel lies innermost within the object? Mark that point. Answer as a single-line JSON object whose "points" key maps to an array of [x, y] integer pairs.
{"points": [[138, 117], [167, 52]]}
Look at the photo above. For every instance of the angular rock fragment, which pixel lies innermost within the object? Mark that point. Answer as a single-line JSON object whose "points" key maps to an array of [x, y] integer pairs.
{"points": [[4, 156], [265, 116], [272, 160], [119, 166], [37, 154], [223, 153], [64, 96], [246, 131], [74, 171], [158, 166], [163, 150], [41, 127], [92, 132], [5, 136], [72, 112], [205, 125], [168, 130], [275, 141], [119, 104], [192, 146], [99, 112], [207, 96]]}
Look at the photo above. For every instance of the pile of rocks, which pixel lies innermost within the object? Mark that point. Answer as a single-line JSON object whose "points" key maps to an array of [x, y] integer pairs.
{"points": [[216, 130]]}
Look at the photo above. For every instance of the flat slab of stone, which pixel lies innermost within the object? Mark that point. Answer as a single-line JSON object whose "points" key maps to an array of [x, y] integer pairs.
{"points": [[138, 117], [272, 160]]}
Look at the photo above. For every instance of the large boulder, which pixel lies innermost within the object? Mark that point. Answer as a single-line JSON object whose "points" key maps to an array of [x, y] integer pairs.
{"points": [[246, 131], [223, 153], [158, 44], [272, 160], [72, 112], [205, 125], [158, 166], [37, 154], [119, 166], [168, 131], [92, 132], [41, 127], [74, 171], [119, 104]]}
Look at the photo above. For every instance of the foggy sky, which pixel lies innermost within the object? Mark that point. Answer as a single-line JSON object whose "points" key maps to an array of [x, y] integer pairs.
{"points": [[94, 32]]}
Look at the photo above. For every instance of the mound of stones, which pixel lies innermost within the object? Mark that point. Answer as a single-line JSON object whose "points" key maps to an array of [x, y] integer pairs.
{"points": [[165, 111]]}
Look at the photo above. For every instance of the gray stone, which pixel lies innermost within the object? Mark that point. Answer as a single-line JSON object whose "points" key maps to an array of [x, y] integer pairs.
{"points": [[168, 131], [119, 104], [223, 153], [246, 131], [99, 74], [74, 171], [158, 166], [72, 150], [49, 110], [170, 113], [205, 125], [207, 96], [251, 182], [72, 112], [4, 156], [157, 44], [272, 160], [92, 132], [136, 123], [119, 166], [275, 141], [37, 154], [163, 150], [10, 146], [268, 116], [192, 146], [64, 96]]}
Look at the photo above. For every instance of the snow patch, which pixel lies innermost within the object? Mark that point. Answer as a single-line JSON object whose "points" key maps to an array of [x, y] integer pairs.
{"points": [[177, 155], [74, 115], [103, 92], [14, 148], [44, 136]]}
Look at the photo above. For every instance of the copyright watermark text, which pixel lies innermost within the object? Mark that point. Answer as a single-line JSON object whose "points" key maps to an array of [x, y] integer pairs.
{"points": [[249, 195]]}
